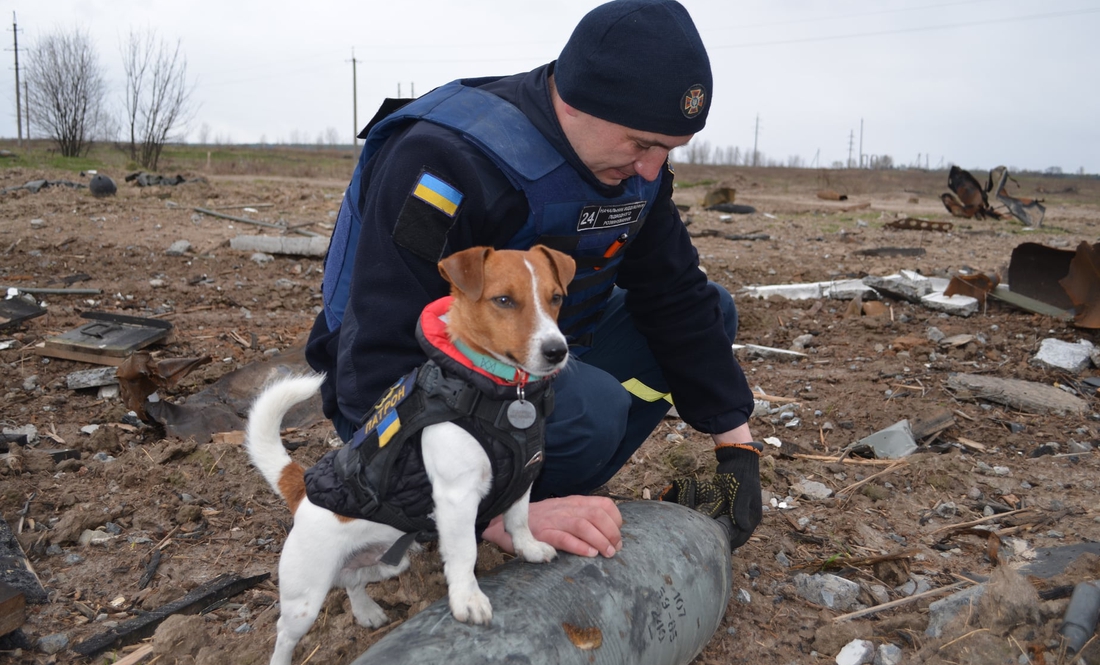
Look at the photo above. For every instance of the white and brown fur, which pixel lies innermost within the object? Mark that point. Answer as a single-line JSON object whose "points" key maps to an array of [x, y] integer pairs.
{"points": [[505, 305]]}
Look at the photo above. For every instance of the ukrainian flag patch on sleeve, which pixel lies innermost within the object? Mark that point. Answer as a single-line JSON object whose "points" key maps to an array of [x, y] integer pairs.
{"points": [[438, 194]]}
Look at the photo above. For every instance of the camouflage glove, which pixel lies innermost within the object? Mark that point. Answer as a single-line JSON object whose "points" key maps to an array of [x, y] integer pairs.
{"points": [[732, 497]]}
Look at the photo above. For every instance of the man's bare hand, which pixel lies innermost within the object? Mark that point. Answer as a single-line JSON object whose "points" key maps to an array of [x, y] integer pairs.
{"points": [[582, 525]]}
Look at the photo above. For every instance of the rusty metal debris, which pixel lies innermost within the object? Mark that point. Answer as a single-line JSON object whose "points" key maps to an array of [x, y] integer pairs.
{"points": [[1082, 283], [1035, 270], [1028, 211], [977, 286], [967, 198], [970, 200], [831, 195], [917, 224], [140, 376], [223, 405]]}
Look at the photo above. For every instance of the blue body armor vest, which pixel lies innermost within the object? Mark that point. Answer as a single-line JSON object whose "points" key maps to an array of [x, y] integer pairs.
{"points": [[566, 212]]}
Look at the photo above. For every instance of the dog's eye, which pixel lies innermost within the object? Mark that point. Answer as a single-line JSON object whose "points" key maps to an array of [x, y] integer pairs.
{"points": [[555, 300], [504, 301]]}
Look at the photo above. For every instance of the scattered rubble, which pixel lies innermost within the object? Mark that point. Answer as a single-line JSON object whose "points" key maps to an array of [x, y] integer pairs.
{"points": [[996, 474]]}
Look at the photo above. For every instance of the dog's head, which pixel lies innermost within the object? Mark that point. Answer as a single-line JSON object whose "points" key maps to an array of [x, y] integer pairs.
{"points": [[506, 304]]}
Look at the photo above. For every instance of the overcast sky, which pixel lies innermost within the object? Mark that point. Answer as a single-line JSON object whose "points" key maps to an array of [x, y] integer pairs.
{"points": [[971, 82]]}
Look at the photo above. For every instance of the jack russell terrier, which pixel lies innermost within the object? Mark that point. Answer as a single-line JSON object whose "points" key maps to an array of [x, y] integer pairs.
{"points": [[450, 446]]}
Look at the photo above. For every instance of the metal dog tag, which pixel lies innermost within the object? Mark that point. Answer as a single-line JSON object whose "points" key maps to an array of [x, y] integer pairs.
{"points": [[521, 414]]}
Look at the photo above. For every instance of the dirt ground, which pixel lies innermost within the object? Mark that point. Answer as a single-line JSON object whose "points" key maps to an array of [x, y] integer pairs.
{"points": [[207, 512]]}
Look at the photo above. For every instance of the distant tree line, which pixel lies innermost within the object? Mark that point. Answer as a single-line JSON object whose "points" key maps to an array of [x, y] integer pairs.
{"points": [[68, 97], [702, 152]]}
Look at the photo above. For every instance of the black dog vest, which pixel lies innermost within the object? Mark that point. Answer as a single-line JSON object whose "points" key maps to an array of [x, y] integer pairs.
{"points": [[380, 476]]}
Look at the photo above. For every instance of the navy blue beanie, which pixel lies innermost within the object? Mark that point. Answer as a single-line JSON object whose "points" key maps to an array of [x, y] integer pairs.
{"points": [[638, 63]]}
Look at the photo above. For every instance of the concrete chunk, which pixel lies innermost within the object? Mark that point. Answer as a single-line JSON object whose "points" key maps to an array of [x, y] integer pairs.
{"points": [[856, 652], [907, 284], [958, 305], [837, 290], [178, 248], [832, 591], [312, 246], [1056, 354], [941, 612]]}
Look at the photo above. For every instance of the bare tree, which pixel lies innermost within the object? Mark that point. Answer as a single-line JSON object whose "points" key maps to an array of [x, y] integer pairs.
{"points": [[158, 95], [66, 90]]}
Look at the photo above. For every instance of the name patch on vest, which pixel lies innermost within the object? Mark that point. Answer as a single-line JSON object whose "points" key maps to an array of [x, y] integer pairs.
{"points": [[604, 217], [384, 416]]}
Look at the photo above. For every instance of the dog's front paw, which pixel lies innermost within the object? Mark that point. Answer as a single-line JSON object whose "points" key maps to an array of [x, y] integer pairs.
{"points": [[536, 551], [373, 617], [471, 607]]}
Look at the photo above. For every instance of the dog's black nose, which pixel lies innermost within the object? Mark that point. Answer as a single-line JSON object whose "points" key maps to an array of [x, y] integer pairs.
{"points": [[554, 351]]}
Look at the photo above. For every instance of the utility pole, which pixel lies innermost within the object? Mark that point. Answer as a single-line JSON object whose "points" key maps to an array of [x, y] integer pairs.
{"points": [[755, 138], [18, 115], [412, 89], [861, 143], [354, 100], [851, 146]]}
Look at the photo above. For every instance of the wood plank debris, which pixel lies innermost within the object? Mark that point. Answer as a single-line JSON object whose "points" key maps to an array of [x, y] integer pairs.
{"points": [[138, 628], [91, 378], [107, 339], [13, 608], [137, 656], [1026, 396]]}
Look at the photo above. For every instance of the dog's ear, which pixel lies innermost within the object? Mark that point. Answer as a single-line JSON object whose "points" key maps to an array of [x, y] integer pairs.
{"points": [[465, 270], [564, 266]]}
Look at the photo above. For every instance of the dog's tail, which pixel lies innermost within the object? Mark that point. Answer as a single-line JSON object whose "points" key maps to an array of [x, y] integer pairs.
{"points": [[265, 446]]}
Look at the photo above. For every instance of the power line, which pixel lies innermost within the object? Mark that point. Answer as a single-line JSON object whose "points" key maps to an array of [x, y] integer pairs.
{"points": [[899, 31], [840, 17]]}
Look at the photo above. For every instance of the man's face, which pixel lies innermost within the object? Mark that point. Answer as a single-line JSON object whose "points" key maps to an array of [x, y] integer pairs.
{"points": [[614, 152]]}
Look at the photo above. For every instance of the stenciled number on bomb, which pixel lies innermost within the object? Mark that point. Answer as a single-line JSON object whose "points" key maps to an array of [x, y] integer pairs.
{"points": [[663, 619]]}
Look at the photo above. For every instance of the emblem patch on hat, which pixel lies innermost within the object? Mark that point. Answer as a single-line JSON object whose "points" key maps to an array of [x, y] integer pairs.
{"points": [[695, 99]]}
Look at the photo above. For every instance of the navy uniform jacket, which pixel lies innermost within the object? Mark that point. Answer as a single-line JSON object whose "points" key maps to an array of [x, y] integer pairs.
{"points": [[668, 296]]}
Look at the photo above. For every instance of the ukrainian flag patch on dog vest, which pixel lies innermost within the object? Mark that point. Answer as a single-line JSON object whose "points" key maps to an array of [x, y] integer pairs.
{"points": [[437, 193], [383, 419]]}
